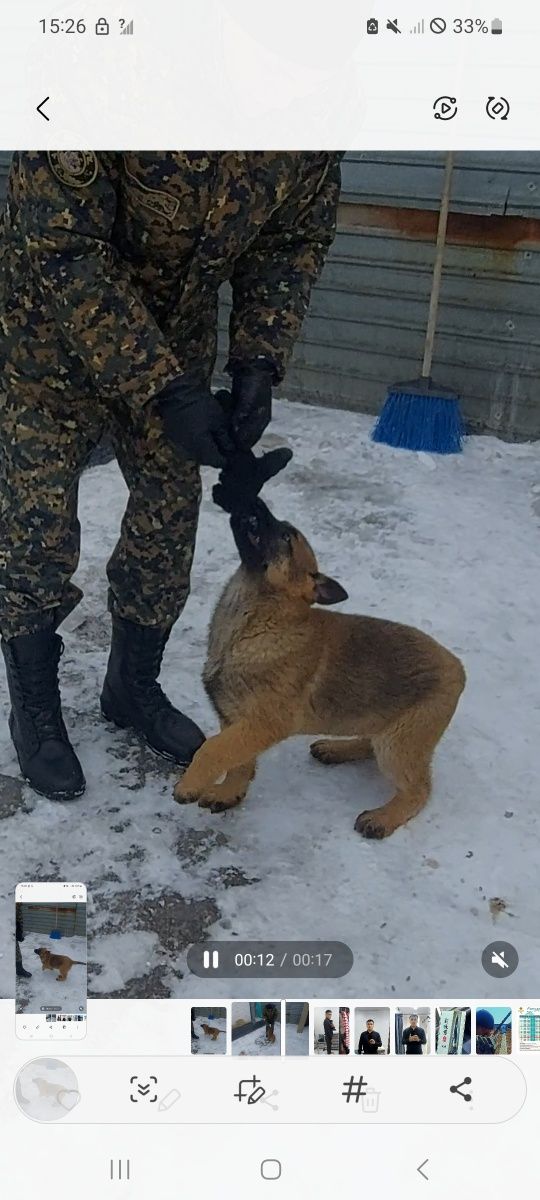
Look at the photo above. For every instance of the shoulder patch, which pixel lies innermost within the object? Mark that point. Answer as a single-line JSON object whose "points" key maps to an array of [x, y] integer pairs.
{"points": [[74, 168], [161, 203]]}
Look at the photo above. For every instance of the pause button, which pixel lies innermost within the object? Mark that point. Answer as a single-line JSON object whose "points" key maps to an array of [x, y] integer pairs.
{"points": [[211, 960]]}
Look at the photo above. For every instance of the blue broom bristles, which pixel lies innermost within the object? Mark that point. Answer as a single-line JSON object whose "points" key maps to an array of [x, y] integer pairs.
{"points": [[416, 421]]}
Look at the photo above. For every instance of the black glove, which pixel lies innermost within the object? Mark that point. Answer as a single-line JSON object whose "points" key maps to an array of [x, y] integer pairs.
{"points": [[245, 475], [195, 421], [252, 401]]}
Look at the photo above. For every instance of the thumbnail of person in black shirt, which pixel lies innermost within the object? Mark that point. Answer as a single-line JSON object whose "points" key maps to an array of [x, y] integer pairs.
{"points": [[370, 1041], [329, 1030], [414, 1037]]}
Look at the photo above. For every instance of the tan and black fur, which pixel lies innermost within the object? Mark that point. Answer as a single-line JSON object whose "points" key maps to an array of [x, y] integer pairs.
{"points": [[278, 665], [211, 1031], [57, 962]]}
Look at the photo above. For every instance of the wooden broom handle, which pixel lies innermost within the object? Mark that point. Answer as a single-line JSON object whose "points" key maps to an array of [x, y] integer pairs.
{"points": [[438, 266]]}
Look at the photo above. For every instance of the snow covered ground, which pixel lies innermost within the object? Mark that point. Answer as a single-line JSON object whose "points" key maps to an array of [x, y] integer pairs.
{"points": [[206, 1045], [450, 544], [255, 1044], [44, 989], [296, 1043]]}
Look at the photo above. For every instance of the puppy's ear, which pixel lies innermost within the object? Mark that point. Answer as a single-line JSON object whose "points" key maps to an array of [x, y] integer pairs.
{"points": [[328, 591]]}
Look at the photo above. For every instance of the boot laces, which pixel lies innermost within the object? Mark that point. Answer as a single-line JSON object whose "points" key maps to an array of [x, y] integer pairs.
{"points": [[38, 685], [145, 681]]}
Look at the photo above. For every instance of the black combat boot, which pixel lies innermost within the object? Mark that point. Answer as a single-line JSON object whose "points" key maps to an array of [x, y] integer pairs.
{"points": [[21, 973], [46, 758], [133, 699]]}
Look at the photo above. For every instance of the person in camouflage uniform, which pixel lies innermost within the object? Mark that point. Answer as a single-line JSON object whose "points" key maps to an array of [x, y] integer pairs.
{"points": [[110, 264]]}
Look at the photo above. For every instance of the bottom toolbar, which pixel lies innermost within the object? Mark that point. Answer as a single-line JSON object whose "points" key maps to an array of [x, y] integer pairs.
{"points": [[116, 1090]]}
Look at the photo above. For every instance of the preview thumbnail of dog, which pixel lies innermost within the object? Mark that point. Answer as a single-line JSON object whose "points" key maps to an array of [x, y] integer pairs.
{"points": [[51, 962], [209, 1030]]}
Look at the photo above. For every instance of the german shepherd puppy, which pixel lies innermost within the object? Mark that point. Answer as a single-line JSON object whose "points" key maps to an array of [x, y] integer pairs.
{"points": [[278, 665], [58, 962], [211, 1031]]}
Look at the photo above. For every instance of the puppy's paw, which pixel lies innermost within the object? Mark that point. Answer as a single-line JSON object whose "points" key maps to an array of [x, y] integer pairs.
{"points": [[182, 795], [333, 751], [217, 803], [372, 824], [325, 752]]}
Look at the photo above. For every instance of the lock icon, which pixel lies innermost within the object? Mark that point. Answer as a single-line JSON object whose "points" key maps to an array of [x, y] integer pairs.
{"points": [[102, 27]]}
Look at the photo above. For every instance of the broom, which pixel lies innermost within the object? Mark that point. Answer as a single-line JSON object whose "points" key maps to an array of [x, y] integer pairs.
{"points": [[420, 415]]}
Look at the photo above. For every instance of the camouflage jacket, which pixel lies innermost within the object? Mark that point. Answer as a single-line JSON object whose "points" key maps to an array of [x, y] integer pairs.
{"points": [[124, 253]]}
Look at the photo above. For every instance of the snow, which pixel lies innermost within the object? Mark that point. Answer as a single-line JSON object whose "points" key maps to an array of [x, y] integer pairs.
{"points": [[44, 989], [206, 1045], [296, 1043], [449, 544], [254, 1043]]}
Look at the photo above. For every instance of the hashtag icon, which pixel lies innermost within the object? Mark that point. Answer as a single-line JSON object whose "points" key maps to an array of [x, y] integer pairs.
{"points": [[354, 1088]]}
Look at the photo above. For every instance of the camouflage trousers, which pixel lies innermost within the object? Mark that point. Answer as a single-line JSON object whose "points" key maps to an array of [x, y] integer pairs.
{"points": [[46, 438]]}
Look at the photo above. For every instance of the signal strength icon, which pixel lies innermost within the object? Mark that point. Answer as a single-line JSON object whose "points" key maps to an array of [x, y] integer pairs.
{"points": [[420, 27], [128, 28]]}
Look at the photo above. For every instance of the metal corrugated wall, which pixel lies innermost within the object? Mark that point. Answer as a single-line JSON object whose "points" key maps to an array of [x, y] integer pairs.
{"points": [[491, 184], [70, 920], [294, 1011], [366, 324], [365, 329]]}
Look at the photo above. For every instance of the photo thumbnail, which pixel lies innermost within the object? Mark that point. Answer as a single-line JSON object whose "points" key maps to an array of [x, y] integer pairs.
{"points": [[452, 1031], [256, 1027], [297, 1027], [51, 958], [529, 1028], [494, 1030], [209, 1030], [332, 1030], [413, 1031], [372, 1030]]}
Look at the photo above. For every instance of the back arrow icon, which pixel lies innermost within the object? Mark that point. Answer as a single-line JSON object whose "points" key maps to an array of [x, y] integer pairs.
{"points": [[40, 109], [420, 1171]]}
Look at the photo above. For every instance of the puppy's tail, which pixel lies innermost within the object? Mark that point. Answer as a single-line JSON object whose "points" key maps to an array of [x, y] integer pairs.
{"points": [[77, 962]]}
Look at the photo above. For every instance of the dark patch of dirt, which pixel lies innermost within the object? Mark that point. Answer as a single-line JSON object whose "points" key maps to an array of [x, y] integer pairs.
{"points": [[176, 921], [229, 877], [196, 845], [146, 987], [12, 797]]}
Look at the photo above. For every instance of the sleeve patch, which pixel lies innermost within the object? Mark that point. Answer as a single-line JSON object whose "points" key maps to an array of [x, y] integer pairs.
{"points": [[73, 168]]}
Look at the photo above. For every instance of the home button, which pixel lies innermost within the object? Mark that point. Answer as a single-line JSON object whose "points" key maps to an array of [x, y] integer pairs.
{"points": [[271, 1168]]}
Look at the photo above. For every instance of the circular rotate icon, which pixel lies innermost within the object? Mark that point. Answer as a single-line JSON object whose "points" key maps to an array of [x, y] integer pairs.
{"points": [[46, 1089], [500, 959], [445, 108]]}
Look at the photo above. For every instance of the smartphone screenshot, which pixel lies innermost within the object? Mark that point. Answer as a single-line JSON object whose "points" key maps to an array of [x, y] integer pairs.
{"points": [[50, 960], [269, 529]]}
